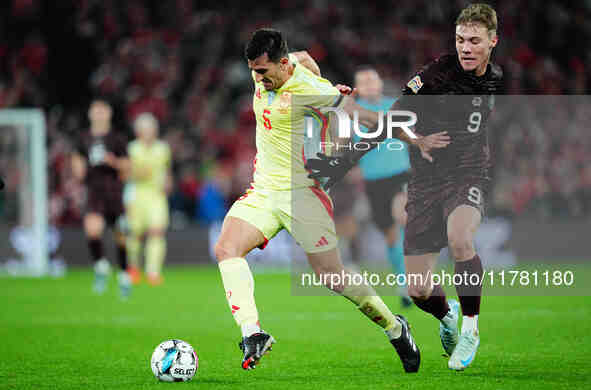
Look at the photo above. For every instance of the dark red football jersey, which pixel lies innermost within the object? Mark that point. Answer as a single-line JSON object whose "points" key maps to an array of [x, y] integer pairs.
{"points": [[100, 176], [447, 98]]}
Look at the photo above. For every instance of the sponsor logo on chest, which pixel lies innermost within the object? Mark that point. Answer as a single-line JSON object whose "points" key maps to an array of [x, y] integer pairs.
{"points": [[284, 102]]}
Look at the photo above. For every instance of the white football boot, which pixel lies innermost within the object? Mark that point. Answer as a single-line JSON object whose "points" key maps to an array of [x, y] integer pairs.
{"points": [[463, 354], [124, 284], [448, 327], [102, 269]]}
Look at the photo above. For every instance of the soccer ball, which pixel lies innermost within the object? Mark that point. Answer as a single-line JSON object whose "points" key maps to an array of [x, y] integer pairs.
{"points": [[174, 361]]}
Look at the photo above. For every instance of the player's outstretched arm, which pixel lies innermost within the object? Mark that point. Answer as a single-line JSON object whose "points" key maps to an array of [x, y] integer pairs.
{"points": [[432, 141], [336, 167], [306, 60], [370, 120], [367, 118], [332, 167]]}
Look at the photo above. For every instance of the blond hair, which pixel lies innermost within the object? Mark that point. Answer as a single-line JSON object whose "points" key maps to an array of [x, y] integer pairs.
{"points": [[479, 13], [145, 119]]}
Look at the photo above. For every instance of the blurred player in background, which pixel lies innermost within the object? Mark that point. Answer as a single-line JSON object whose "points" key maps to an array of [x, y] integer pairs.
{"points": [[385, 171], [288, 88], [101, 160], [448, 187], [146, 198]]}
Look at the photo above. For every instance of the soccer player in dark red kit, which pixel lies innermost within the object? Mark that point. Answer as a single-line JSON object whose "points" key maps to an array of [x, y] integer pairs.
{"points": [[101, 160], [453, 97]]}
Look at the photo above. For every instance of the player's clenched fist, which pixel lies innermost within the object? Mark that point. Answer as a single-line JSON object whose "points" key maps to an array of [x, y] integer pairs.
{"points": [[333, 168]]}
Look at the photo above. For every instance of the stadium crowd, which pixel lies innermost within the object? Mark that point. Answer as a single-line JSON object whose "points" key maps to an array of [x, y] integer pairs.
{"points": [[182, 60]]}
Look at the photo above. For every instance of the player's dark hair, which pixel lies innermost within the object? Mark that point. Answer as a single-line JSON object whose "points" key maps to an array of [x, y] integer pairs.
{"points": [[266, 40], [479, 13]]}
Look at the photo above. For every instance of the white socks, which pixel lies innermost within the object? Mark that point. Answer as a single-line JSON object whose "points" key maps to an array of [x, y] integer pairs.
{"points": [[239, 286], [249, 329], [394, 332], [470, 324]]}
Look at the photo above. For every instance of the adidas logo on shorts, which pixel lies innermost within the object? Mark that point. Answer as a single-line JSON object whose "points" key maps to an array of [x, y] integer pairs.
{"points": [[322, 242]]}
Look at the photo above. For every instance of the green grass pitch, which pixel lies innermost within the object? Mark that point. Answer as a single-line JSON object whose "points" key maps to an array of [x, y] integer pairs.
{"points": [[55, 334]]}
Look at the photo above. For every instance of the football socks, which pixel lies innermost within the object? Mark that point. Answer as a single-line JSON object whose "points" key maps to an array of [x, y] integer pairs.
{"points": [[239, 285], [155, 252], [374, 308], [469, 293], [436, 304], [134, 246]]}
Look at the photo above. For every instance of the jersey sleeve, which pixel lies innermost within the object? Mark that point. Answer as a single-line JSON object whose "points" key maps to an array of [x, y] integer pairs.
{"points": [[325, 95], [425, 81], [422, 83], [316, 107]]}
